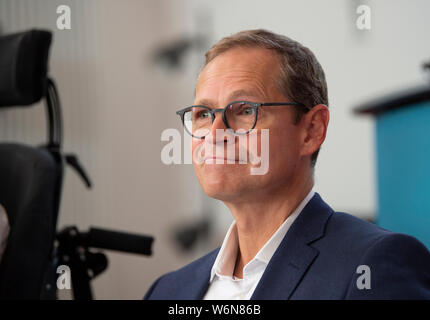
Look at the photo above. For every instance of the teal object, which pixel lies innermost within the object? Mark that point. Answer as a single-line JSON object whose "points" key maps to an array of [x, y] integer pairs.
{"points": [[403, 162]]}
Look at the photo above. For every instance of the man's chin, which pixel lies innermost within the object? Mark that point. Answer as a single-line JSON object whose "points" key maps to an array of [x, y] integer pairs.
{"points": [[222, 193], [222, 182], [222, 196]]}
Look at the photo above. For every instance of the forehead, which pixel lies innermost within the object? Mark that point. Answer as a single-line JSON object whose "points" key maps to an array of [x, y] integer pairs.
{"points": [[247, 69]]}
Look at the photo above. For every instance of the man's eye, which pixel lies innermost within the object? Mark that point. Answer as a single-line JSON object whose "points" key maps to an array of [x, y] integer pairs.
{"points": [[247, 111], [202, 115], [243, 109]]}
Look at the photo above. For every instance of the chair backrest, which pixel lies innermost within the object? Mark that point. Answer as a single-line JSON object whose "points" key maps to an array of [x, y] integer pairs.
{"points": [[30, 188], [30, 177]]}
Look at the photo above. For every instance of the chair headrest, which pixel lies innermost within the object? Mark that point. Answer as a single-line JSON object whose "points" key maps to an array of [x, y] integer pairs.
{"points": [[23, 67]]}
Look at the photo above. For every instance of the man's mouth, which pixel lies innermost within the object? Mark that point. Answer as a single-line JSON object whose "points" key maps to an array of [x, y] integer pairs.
{"points": [[218, 160]]}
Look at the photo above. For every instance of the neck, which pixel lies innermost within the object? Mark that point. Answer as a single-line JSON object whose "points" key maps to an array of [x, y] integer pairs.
{"points": [[258, 219]]}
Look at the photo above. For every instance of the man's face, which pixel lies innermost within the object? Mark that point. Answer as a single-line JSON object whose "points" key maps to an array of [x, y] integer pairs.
{"points": [[246, 74]]}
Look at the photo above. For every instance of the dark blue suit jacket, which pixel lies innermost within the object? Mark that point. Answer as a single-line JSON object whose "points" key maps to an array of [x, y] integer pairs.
{"points": [[318, 259]]}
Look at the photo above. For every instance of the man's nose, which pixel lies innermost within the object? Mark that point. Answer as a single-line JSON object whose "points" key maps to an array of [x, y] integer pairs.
{"points": [[218, 124]]}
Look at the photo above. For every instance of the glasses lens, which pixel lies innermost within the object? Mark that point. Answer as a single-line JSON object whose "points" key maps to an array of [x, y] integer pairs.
{"points": [[197, 121], [240, 116]]}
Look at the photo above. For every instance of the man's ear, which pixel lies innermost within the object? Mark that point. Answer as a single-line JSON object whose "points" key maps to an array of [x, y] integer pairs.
{"points": [[314, 124]]}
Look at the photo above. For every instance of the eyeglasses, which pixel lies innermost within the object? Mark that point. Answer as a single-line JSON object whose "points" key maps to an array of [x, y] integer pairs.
{"points": [[238, 116]]}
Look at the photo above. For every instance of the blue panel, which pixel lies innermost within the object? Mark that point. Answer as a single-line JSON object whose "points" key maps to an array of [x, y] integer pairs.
{"points": [[403, 165]]}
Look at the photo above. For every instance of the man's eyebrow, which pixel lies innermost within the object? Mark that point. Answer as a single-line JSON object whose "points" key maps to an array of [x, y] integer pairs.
{"points": [[240, 93], [235, 95], [204, 102]]}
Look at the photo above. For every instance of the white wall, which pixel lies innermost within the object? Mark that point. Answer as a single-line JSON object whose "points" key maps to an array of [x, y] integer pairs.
{"points": [[116, 104]]}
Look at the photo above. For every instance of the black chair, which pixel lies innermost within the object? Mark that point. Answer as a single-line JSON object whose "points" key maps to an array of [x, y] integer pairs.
{"points": [[30, 188], [30, 178]]}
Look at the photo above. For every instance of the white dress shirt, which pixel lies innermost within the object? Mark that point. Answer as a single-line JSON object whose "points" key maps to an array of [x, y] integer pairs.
{"points": [[225, 286]]}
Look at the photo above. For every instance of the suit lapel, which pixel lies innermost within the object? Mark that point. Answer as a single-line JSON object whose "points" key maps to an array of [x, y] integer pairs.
{"points": [[294, 256], [196, 284]]}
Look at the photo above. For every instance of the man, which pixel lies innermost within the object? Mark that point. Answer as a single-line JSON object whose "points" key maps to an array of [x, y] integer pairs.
{"points": [[285, 241]]}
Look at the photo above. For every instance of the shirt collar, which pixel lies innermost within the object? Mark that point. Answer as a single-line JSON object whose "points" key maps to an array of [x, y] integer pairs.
{"points": [[226, 259]]}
